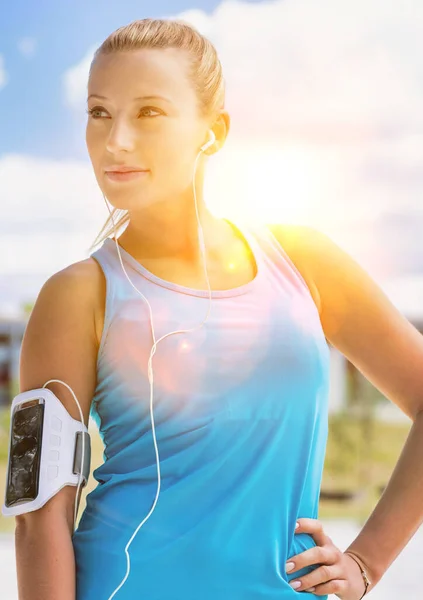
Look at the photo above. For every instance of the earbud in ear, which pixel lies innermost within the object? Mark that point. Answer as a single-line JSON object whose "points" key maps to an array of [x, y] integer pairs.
{"points": [[210, 142]]}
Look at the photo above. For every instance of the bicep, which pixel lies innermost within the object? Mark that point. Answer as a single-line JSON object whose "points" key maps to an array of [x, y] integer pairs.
{"points": [[60, 343], [361, 322]]}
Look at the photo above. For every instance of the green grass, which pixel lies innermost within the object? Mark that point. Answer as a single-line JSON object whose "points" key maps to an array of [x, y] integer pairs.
{"points": [[359, 458], [353, 462]]}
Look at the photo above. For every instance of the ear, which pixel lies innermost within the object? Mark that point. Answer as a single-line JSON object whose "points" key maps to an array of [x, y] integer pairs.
{"points": [[220, 128]]}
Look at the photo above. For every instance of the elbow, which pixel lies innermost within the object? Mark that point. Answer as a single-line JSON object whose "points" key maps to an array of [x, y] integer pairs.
{"points": [[43, 520]]}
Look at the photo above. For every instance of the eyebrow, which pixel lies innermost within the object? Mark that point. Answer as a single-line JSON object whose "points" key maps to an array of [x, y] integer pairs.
{"points": [[154, 97]]}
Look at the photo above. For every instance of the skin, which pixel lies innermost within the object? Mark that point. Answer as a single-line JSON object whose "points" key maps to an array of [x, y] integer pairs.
{"points": [[362, 323], [165, 138], [62, 335]]}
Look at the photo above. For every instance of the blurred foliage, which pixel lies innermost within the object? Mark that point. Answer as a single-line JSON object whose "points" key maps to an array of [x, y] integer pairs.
{"points": [[27, 307], [4, 432], [343, 445]]}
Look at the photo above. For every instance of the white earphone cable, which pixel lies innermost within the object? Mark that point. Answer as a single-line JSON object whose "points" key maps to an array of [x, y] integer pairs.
{"points": [[150, 368], [150, 372]]}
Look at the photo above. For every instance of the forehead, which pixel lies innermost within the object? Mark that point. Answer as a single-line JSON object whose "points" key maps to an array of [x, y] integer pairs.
{"points": [[148, 71]]}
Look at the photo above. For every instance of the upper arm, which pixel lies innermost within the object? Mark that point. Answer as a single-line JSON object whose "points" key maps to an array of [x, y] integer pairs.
{"points": [[362, 323], [60, 342]]}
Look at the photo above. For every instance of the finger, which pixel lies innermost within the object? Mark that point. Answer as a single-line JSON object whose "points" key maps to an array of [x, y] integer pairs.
{"points": [[321, 575], [313, 526], [335, 586], [313, 556]]}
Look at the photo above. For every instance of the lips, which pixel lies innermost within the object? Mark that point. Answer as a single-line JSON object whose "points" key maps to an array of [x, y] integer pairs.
{"points": [[126, 176], [125, 169]]}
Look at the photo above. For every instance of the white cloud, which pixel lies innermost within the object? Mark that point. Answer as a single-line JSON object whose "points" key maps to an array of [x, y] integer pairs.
{"points": [[75, 81], [4, 78], [343, 79], [27, 46], [321, 70], [54, 206], [325, 100]]}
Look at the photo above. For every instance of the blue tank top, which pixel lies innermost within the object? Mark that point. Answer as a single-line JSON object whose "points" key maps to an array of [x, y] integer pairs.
{"points": [[241, 419]]}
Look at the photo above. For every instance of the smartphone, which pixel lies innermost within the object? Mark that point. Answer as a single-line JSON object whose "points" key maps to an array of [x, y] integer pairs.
{"points": [[25, 452]]}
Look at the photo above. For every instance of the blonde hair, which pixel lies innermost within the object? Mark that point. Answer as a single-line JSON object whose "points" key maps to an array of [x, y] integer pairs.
{"points": [[205, 73]]}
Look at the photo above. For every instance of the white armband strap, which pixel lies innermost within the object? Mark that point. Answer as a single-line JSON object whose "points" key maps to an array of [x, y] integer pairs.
{"points": [[45, 451]]}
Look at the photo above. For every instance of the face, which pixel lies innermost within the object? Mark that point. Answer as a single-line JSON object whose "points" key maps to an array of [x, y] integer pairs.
{"points": [[147, 118]]}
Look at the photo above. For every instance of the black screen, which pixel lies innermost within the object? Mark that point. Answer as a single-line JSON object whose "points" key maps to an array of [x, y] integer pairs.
{"points": [[25, 454]]}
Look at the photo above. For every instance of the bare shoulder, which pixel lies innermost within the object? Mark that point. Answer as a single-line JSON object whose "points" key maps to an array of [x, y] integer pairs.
{"points": [[85, 274], [65, 314], [60, 343], [298, 242], [83, 282], [82, 276]]}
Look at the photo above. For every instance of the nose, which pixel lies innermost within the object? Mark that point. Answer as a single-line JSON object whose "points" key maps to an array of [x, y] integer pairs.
{"points": [[121, 136]]}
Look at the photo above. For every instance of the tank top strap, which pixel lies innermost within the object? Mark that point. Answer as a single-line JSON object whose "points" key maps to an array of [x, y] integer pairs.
{"points": [[112, 275], [271, 251]]}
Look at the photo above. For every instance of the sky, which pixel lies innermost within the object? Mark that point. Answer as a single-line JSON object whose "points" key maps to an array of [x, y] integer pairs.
{"points": [[326, 113]]}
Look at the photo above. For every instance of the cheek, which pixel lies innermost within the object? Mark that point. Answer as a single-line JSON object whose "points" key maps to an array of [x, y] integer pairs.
{"points": [[178, 173], [173, 164], [176, 145], [180, 155]]}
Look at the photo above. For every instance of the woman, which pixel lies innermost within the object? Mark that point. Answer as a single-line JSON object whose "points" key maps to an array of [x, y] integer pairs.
{"points": [[240, 400]]}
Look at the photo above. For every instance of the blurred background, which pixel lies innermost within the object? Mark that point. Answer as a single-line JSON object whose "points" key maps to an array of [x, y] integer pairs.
{"points": [[325, 101]]}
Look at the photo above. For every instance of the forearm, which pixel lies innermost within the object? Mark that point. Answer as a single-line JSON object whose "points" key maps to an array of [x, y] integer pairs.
{"points": [[45, 561], [399, 512]]}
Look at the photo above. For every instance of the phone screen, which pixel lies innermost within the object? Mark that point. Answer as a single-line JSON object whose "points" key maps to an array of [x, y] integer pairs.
{"points": [[25, 454]]}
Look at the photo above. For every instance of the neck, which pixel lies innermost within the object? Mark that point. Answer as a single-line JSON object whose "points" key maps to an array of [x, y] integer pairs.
{"points": [[170, 230]]}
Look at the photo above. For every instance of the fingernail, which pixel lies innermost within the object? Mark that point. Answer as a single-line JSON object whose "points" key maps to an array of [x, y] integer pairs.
{"points": [[295, 584], [297, 525], [311, 589], [289, 566]]}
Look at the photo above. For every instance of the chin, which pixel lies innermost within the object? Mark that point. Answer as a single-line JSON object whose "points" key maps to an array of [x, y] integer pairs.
{"points": [[129, 199]]}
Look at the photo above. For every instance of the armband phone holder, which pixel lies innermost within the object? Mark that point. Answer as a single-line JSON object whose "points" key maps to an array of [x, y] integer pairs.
{"points": [[45, 451]]}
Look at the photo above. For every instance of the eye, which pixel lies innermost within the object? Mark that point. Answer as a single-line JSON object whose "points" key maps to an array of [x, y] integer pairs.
{"points": [[150, 108], [91, 111]]}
